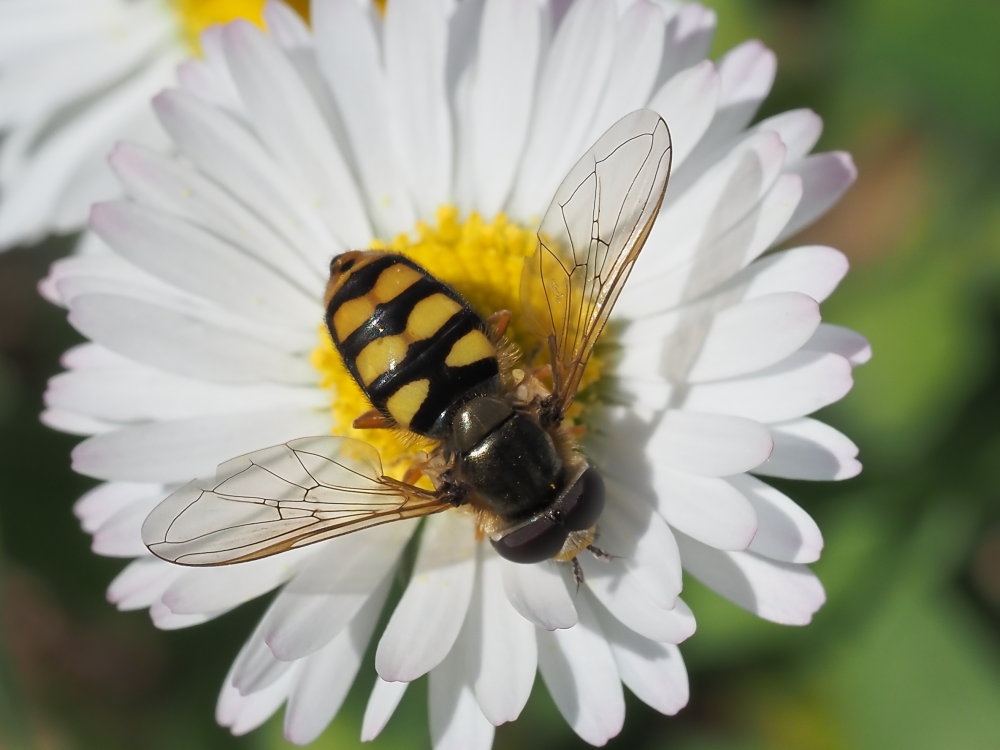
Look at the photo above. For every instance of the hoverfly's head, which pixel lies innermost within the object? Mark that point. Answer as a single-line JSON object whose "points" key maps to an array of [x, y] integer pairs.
{"points": [[544, 535]]}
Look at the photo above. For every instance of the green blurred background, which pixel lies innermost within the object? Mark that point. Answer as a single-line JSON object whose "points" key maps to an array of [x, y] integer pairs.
{"points": [[906, 652]]}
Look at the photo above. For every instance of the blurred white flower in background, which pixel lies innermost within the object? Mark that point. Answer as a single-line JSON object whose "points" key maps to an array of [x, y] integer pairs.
{"points": [[75, 77]]}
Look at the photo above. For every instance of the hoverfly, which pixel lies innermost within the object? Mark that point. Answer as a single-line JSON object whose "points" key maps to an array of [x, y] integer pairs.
{"points": [[432, 366]]}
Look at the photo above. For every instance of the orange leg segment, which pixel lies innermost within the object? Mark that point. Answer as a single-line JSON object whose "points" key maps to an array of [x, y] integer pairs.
{"points": [[372, 420]]}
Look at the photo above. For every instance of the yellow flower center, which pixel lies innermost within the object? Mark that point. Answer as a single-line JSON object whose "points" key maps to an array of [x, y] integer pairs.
{"points": [[197, 15], [480, 259]]}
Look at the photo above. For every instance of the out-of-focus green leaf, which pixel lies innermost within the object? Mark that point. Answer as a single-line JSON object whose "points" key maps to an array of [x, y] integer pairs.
{"points": [[737, 22], [929, 352], [922, 672], [936, 59]]}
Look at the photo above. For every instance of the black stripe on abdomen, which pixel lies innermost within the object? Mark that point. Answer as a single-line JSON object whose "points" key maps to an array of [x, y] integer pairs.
{"points": [[448, 386]]}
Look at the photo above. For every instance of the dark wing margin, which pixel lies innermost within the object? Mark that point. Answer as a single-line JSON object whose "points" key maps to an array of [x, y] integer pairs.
{"points": [[589, 239], [281, 498]]}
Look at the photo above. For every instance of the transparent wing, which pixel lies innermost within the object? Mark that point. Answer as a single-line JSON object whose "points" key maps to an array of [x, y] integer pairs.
{"points": [[281, 498], [589, 239]]}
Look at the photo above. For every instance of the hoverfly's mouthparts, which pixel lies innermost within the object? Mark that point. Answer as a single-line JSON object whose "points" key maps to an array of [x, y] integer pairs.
{"points": [[543, 535]]}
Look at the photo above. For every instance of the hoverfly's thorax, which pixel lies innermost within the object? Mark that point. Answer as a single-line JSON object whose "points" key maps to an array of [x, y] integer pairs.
{"points": [[415, 347], [506, 456]]}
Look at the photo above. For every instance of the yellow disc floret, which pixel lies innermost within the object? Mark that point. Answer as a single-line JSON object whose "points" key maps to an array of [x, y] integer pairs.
{"points": [[197, 15], [482, 260]]}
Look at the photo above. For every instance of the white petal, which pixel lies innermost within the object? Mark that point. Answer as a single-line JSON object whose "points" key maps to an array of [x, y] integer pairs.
{"points": [[164, 619], [501, 96], [176, 188], [702, 205], [179, 450], [456, 722], [687, 102], [213, 52], [661, 284], [427, 619], [848, 344], [415, 36], [610, 582], [825, 177], [382, 704], [582, 678], [89, 354], [73, 423], [46, 196], [228, 153], [689, 36], [799, 130], [286, 25], [327, 675], [289, 123], [638, 52], [707, 508], [35, 84], [244, 713], [201, 264], [466, 173], [632, 532], [784, 593], [809, 449], [813, 270], [109, 274], [186, 344], [464, 25], [741, 339], [569, 82], [101, 265], [654, 671], [801, 384], [120, 535], [332, 586], [104, 501], [712, 344], [747, 75], [206, 82], [256, 667], [349, 57], [209, 589], [507, 654], [540, 593], [708, 444], [132, 393], [786, 532], [142, 582]]}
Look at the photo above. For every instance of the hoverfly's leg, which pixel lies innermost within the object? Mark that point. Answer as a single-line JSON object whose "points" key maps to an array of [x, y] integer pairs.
{"points": [[543, 372], [499, 321], [413, 474], [550, 412], [601, 554], [577, 573], [532, 385], [373, 419], [452, 491]]}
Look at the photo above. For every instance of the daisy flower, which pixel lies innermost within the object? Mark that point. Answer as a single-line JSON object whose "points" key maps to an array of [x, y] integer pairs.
{"points": [[441, 131], [75, 76]]}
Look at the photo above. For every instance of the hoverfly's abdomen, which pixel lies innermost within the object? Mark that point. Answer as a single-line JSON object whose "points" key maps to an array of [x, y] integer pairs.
{"points": [[412, 343]]}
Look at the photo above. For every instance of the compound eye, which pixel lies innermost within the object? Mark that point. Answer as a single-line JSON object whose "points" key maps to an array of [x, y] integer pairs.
{"points": [[583, 502], [536, 540]]}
